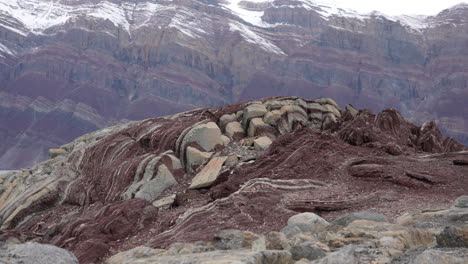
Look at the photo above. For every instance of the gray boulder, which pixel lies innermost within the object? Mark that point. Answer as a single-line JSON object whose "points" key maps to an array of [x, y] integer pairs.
{"points": [[34, 253], [433, 256], [306, 250], [305, 222]]}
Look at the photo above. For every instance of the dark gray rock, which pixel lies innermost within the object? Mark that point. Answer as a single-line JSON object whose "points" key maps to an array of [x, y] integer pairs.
{"points": [[306, 250], [364, 215], [453, 237]]}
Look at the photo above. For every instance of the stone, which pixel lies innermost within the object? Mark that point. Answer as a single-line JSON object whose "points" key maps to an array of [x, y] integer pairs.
{"points": [[165, 202], [434, 256], [190, 248], [353, 111], [218, 256], [233, 239], [306, 250], [276, 241], [206, 135], [262, 143], [35, 253], [453, 236], [363, 215], [196, 157], [235, 131], [292, 108], [328, 101], [226, 119], [253, 111], [152, 189], [208, 175], [308, 222], [176, 164], [56, 152], [254, 126], [343, 255], [225, 140], [291, 231], [272, 117], [461, 202], [135, 255], [231, 161]]}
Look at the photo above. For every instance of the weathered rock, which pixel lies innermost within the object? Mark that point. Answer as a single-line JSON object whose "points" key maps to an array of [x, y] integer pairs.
{"points": [[233, 256], [255, 125], [276, 241], [453, 236], [225, 140], [56, 152], [176, 164], [235, 131], [208, 175], [231, 161], [305, 222], [206, 135], [364, 215], [461, 202], [343, 255], [353, 111], [272, 117], [196, 157], [136, 255], [226, 119], [234, 239], [150, 190], [433, 256], [253, 111], [306, 250], [190, 248], [165, 202], [34, 253], [262, 143]]}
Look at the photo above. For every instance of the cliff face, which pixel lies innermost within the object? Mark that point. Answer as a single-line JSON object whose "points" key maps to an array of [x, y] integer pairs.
{"points": [[68, 67]]}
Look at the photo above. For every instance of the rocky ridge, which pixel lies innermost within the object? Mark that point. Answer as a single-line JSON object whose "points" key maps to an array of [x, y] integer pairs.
{"points": [[71, 67], [181, 178]]}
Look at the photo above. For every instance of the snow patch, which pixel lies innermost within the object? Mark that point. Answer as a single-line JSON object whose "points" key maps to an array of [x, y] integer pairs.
{"points": [[254, 38]]}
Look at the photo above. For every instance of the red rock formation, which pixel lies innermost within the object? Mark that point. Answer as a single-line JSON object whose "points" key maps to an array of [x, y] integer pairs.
{"points": [[84, 201]]}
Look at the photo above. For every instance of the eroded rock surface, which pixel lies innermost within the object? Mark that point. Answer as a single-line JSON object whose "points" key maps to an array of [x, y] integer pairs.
{"points": [[129, 185]]}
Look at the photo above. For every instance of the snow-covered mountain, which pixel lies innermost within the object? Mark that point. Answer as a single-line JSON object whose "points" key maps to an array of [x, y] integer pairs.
{"points": [[71, 66]]}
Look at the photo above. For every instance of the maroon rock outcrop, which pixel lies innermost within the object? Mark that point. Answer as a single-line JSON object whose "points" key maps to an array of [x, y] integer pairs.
{"points": [[87, 199], [90, 64]]}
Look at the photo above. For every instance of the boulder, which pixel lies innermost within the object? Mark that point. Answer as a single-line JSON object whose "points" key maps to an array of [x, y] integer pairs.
{"points": [[272, 117], [165, 202], [461, 202], [206, 135], [344, 255], [218, 256], [235, 131], [254, 126], [34, 253], [292, 108], [152, 189], [196, 157], [225, 140], [226, 119], [56, 152], [262, 143], [453, 236], [208, 175], [253, 111], [234, 239], [305, 222], [307, 250], [434, 256], [276, 241], [364, 215]]}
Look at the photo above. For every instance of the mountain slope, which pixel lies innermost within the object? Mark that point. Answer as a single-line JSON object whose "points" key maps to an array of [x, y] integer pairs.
{"points": [[68, 67]]}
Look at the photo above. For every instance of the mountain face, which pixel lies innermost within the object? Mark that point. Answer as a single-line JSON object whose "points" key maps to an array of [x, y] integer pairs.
{"points": [[70, 67], [247, 166]]}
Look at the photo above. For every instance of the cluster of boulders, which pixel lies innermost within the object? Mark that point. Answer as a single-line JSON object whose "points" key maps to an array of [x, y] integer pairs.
{"points": [[438, 236]]}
